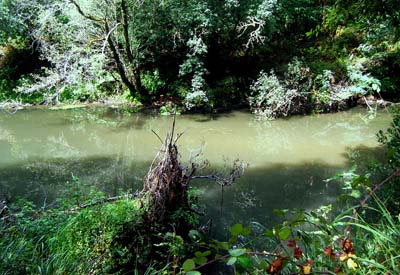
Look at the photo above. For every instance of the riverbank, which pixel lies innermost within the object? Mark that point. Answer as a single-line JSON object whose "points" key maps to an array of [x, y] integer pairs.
{"points": [[169, 107]]}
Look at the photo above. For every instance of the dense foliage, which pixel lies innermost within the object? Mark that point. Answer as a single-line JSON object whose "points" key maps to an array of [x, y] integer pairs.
{"points": [[199, 54]]}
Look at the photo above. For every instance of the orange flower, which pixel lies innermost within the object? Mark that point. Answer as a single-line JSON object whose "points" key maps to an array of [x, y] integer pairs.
{"points": [[328, 251], [276, 266], [347, 245]]}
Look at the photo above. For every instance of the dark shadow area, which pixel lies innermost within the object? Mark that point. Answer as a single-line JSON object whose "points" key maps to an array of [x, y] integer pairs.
{"points": [[44, 180], [261, 190], [279, 186], [252, 198], [363, 156], [209, 117]]}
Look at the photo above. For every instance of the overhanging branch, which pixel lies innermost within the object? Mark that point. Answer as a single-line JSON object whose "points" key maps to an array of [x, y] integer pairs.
{"points": [[87, 16]]}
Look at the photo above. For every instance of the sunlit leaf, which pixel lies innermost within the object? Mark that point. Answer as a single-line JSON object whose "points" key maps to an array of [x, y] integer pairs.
{"points": [[237, 252], [355, 194], [284, 233], [188, 265], [351, 264], [231, 260]]}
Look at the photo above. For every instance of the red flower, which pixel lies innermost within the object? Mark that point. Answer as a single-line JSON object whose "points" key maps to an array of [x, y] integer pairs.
{"points": [[297, 253], [291, 243]]}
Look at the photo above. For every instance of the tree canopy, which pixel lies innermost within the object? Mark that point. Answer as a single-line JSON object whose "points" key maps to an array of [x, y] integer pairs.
{"points": [[196, 54]]}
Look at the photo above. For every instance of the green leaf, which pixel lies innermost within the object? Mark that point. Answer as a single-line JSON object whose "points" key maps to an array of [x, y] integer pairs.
{"points": [[284, 233], [231, 261], [194, 235], [188, 265], [202, 254], [269, 233], [236, 229], [246, 231], [206, 253], [281, 212], [200, 260], [355, 194], [237, 252], [263, 264], [245, 261], [193, 273], [223, 245]]}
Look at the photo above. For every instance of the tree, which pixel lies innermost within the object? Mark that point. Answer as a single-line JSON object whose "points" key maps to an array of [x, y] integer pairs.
{"points": [[112, 24]]}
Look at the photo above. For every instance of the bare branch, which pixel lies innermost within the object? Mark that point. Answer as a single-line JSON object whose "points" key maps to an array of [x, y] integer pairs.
{"points": [[107, 37], [90, 17], [237, 171], [157, 136], [255, 36]]}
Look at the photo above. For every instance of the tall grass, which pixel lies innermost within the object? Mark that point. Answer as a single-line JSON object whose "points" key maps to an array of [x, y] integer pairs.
{"points": [[377, 234]]}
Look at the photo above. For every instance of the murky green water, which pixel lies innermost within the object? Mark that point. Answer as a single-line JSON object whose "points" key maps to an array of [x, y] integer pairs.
{"points": [[41, 149]]}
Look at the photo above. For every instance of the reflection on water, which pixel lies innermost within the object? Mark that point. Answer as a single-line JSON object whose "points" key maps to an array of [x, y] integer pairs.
{"points": [[112, 148]]}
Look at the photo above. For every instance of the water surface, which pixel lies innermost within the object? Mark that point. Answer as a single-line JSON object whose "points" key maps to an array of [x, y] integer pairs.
{"points": [[41, 150]]}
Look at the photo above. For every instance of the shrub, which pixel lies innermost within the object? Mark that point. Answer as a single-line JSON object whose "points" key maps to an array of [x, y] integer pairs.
{"points": [[391, 139], [273, 98], [270, 99]]}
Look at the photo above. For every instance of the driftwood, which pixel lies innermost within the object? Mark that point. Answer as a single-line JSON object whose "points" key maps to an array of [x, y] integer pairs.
{"points": [[167, 182]]}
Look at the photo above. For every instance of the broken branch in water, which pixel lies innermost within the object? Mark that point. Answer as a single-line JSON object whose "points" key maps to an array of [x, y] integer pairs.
{"points": [[236, 171]]}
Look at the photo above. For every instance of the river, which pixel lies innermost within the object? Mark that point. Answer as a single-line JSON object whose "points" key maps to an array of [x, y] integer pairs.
{"points": [[42, 150]]}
